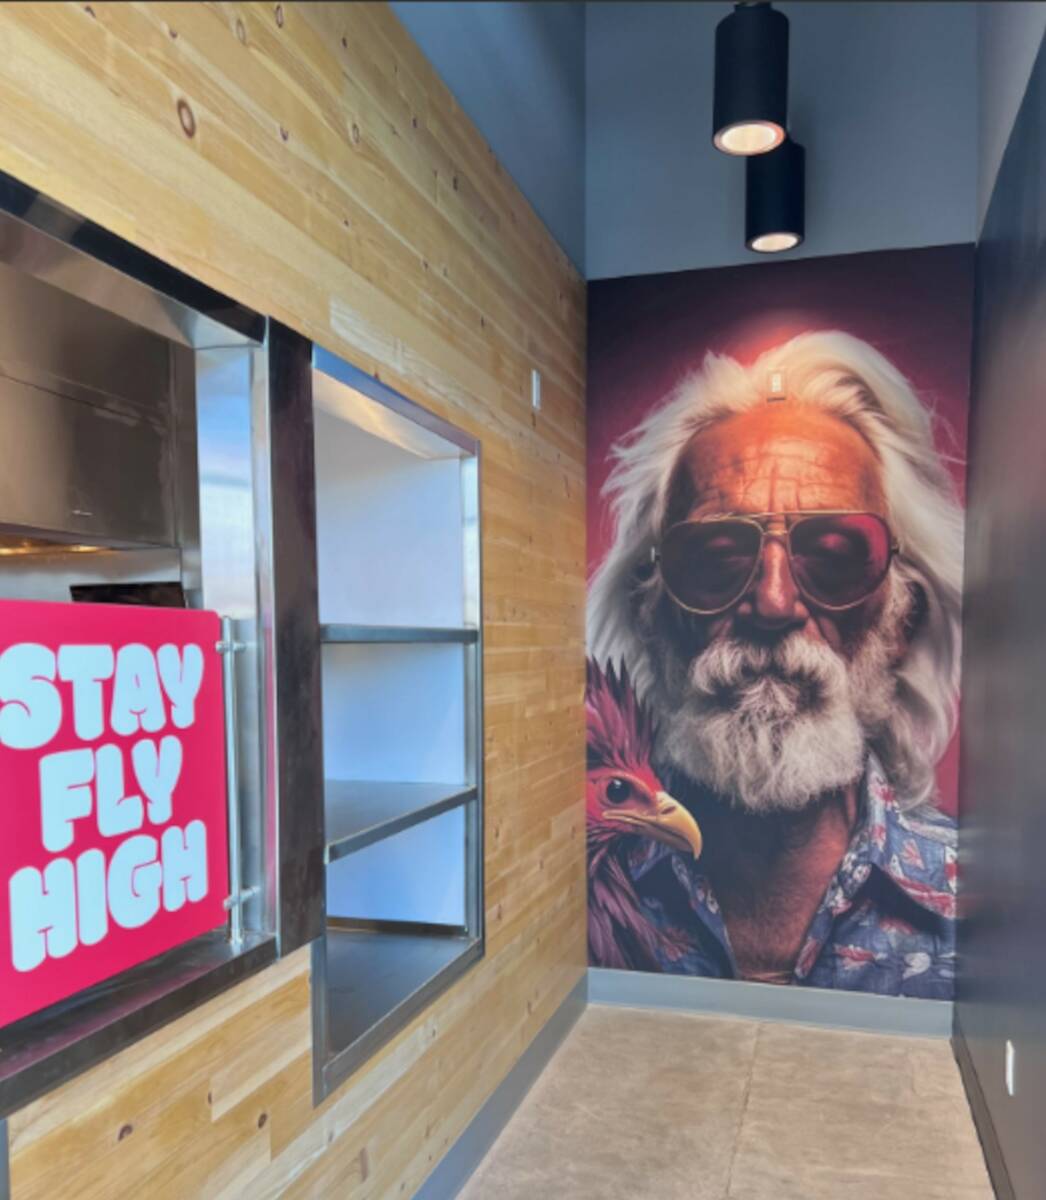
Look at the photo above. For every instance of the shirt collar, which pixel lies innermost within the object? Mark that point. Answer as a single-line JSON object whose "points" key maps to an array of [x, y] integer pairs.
{"points": [[915, 850]]}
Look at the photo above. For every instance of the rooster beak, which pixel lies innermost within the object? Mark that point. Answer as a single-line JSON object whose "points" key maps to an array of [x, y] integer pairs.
{"points": [[671, 823], [674, 825]]}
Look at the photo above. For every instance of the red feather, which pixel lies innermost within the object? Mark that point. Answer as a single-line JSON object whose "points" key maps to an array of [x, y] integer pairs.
{"points": [[620, 738]]}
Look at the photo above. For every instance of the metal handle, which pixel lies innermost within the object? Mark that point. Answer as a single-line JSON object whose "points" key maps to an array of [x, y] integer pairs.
{"points": [[227, 648]]}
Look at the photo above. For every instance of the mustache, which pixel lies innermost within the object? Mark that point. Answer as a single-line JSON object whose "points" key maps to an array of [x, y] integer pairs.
{"points": [[732, 666]]}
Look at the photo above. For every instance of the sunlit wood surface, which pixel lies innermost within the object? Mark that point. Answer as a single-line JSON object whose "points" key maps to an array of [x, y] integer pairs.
{"points": [[306, 160]]}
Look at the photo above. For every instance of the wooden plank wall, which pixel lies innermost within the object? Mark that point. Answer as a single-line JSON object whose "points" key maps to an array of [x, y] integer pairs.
{"points": [[306, 160]]}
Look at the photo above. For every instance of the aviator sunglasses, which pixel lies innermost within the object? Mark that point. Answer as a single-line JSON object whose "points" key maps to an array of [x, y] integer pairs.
{"points": [[837, 559]]}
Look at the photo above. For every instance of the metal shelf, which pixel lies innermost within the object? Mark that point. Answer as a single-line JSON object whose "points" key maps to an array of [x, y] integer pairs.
{"points": [[356, 634], [372, 976], [373, 982], [360, 812]]}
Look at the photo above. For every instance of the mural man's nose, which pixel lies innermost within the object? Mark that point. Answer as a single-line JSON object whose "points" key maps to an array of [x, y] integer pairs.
{"points": [[776, 600]]}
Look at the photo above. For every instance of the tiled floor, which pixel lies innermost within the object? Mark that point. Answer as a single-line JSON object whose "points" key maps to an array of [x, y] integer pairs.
{"points": [[671, 1106]]}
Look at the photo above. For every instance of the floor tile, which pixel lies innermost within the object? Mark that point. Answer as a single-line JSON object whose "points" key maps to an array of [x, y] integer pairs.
{"points": [[672, 1106], [634, 1104], [834, 1113]]}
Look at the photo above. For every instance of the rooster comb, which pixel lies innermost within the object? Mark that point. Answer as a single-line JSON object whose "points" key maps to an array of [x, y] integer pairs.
{"points": [[620, 728]]}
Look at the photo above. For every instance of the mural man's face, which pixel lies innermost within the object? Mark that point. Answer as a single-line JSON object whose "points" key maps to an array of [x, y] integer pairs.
{"points": [[783, 457], [770, 702]]}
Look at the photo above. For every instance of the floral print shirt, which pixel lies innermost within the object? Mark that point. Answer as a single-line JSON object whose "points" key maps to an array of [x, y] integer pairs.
{"points": [[886, 923]]}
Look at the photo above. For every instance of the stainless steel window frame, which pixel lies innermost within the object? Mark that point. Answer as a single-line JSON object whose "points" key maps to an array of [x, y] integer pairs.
{"points": [[332, 1067], [251, 547]]}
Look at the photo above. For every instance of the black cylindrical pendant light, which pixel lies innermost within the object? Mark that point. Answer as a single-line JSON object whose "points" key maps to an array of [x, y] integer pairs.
{"points": [[775, 198], [750, 110]]}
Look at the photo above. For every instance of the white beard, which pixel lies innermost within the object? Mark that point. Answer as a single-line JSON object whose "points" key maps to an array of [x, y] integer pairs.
{"points": [[772, 728]]}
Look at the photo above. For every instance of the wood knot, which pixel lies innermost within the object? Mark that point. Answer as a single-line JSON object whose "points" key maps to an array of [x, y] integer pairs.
{"points": [[355, 133], [263, 1117], [172, 33], [241, 32], [279, 15], [125, 1131], [364, 1164], [284, 133], [188, 120], [345, 43]]}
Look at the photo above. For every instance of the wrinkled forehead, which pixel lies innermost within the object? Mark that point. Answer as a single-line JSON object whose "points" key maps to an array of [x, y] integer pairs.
{"points": [[778, 457]]}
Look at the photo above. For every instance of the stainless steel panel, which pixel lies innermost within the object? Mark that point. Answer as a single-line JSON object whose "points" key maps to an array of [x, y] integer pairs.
{"points": [[226, 381], [354, 634], [359, 813], [63, 344], [82, 471], [342, 1059], [321, 1026], [87, 418], [475, 907], [185, 474], [1002, 833], [337, 368], [52, 243]]}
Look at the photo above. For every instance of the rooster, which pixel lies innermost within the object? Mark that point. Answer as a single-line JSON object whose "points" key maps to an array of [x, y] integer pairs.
{"points": [[624, 802]]}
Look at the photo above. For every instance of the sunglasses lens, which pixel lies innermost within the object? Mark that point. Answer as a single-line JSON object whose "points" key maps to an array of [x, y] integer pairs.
{"points": [[840, 560], [706, 564]]}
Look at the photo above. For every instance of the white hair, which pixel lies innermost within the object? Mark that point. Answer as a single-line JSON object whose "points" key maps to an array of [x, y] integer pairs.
{"points": [[843, 375]]}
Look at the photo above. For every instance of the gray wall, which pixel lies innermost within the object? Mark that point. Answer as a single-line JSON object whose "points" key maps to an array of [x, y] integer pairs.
{"points": [[518, 70], [1009, 33], [1002, 949], [883, 95]]}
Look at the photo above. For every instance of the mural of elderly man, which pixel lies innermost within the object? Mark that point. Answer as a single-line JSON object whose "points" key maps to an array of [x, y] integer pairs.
{"points": [[783, 586]]}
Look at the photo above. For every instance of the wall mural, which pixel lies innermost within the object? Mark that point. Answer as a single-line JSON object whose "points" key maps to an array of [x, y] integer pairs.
{"points": [[776, 469]]}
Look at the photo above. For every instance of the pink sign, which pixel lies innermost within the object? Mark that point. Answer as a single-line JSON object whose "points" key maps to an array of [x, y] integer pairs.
{"points": [[114, 845]]}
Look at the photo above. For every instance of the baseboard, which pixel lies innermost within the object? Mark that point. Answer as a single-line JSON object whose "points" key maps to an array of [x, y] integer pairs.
{"points": [[453, 1171], [770, 1002], [982, 1117]]}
